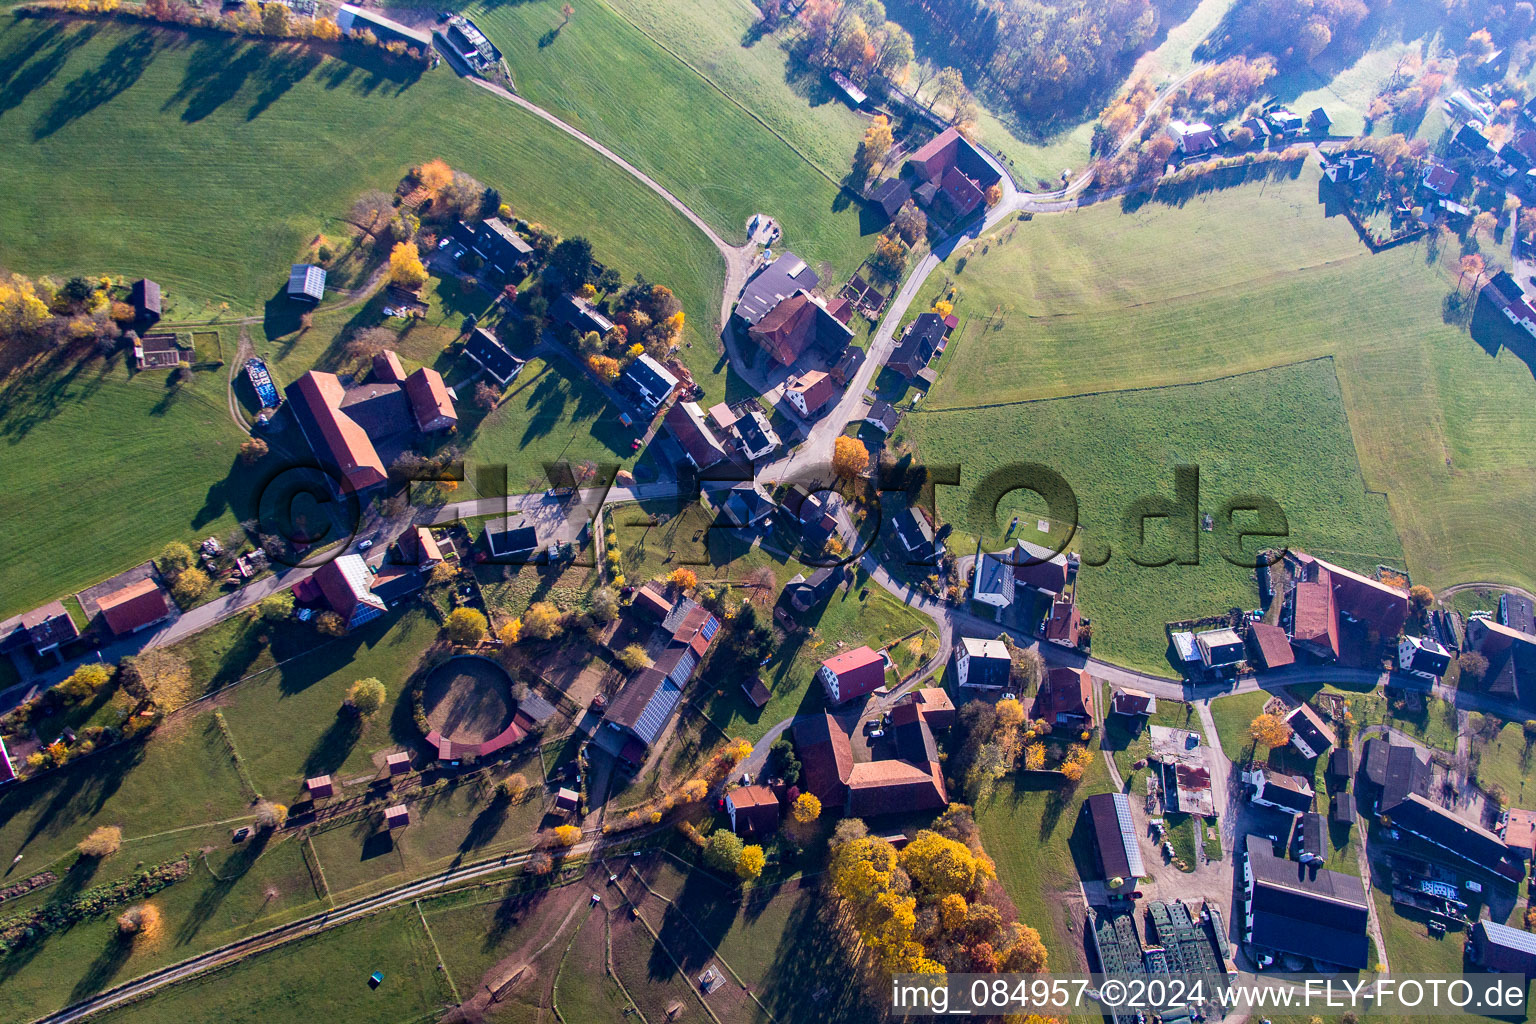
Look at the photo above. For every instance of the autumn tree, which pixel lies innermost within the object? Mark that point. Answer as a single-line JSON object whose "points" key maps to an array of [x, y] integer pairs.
{"points": [[511, 633], [737, 751], [174, 558], [372, 211], [750, 864], [435, 175], [161, 674], [542, 621], [994, 195], [1473, 665], [806, 809], [270, 815], [634, 657], [405, 266], [910, 222], [366, 697], [567, 835], [1421, 596], [253, 450], [139, 923], [1471, 263], [1076, 763], [683, 579], [939, 866], [723, 850], [512, 788], [873, 147], [467, 626], [606, 368], [103, 842], [890, 255], [604, 604], [189, 585], [1026, 668], [949, 87], [539, 864], [372, 341], [330, 624], [849, 457], [573, 259], [1270, 731]]}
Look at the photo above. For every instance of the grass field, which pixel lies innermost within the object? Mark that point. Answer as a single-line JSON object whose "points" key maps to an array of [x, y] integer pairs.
{"points": [[1505, 761], [77, 433], [266, 145], [325, 977], [1105, 300], [1034, 836], [688, 134]]}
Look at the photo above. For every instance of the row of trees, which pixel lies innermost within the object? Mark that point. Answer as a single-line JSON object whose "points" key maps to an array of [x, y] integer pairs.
{"points": [[42, 313], [852, 36], [932, 908]]}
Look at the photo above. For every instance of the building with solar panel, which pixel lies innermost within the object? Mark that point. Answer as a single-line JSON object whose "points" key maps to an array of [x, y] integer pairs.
{"points": [[1116, 851], [641, 712], [1498, 947]]}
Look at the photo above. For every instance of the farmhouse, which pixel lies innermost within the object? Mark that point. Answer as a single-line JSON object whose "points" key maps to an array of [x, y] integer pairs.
{"points": [[345, 586], [957, 170], [1270, 646], [1347, 168], [982, 663], [851, 674], [641, 712], [1131, 703], [144, 296], [753, 810], [1389, 774], [1438, 826], [495, 242], [306, 282], [1220, 648], [1301, 910], [1340, 615], [686, 422], [136, 606], [1285, 122], [338, 441], [493, 357], [809, 392], [890, 195], [511, 543], [771, 285], [911, 780], [1511, 658], [1423, 657], [797, 324], [1438, 179], [431, 402], [1065, 699], [1117, 854], [881, 415], [747, 504], [918, 344], [1505, 292], [805, 594], [41, 630], [1517, 612], [1310, 735], [1193, 138]]}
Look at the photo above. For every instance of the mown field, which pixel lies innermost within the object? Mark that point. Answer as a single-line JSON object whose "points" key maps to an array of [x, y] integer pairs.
{"points": [[1221, 283], [1280, 434], [605, 76]]}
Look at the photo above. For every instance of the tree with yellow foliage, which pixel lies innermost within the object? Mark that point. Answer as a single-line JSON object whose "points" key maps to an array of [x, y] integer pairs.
{"points": [[405, 266], [606, 367], [1076, 763], [683, 579], [807, 808], [435, 175], [1034, 757], [849, 457], [511, 632], [939, 865], [738, 751], [567, 835], [952, 911], [1270, 731], [1010, 712], [750, 864], [542, 621], [943, 307], [694, 790]]}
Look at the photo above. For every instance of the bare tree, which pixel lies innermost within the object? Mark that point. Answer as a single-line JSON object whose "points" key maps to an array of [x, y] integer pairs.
{"points": [[372, 211]]}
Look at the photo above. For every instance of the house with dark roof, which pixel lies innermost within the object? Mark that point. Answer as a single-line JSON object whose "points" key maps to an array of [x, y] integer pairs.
{"points": [[431, 403], [1310, 735], [1472, 143], [1518, 308], [1348, 168], [1269, 646], [137, 606], [809, 392], [1341, 763], [643, 709], [1518, 612], [42, 630], [746, 504], [1117, 852], [1065, 698], [387, 368], [890, 195], [1132, 703], [1511, 658], [1302, 910], [916, 537], [338, 441], [992, 582], [1220, 649], [649, 382], [882, 415], [754, 434], [144, 296], [918, 345], [805, 594], [1423, 657], [771, 285], [753, 810], [1439, 826], [982, 663], [848, 365], [826, 757], [306, 282], [956, 170], [501, 247], [484, 348], [1284, 122], [511, 543], [1269, 788], [1043, 568], [686, 422], [1389, 773], [851, 674]]}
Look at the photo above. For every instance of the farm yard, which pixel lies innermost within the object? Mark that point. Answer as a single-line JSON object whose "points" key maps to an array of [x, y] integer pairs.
{"points": [[1101, 304]]}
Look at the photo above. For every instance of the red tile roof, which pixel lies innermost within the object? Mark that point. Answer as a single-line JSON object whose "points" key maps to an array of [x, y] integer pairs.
{"points": [[757, 810], [345, 441], [826, 756], [1314, 620], [430, 400], [858, 672], [788, 329], [815, 387], [387, 368], [134, 606], [1065, 691], [1382, 607], [891, 786], [1064, 621], [1274, 646]]}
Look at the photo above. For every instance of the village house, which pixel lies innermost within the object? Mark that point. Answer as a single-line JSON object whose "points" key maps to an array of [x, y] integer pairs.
{"points": [[638, 717], [1511, 658], [1310, 735], [1313, 913], [915, 536], [911, 780], [1339, 615], [852, 674], [754, 435], [511, 544], [345, 586], [1193, 138], [580, 315], [649, 382], [803, 594], [492, 356], [746, 505], [1505, 293], [882, 416], [1438, 179], [41, 630], [1063, 623], [1269, 647], [1269, 788], [1422, 657], [431, 402], [145, 298], [809, 392], [923, 336], [954, 171], [136, 606], [1065, 699], [689, 428], [501, 248], [1130, 703], [1117, 853], [753, 811], [982, 663], [1220, 649]]}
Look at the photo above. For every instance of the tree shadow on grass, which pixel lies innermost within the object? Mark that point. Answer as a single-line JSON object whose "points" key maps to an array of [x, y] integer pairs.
{"points": [[484, 828], [228, 876], [117, 72], [30, 63], [334, 745], [104, 968]]}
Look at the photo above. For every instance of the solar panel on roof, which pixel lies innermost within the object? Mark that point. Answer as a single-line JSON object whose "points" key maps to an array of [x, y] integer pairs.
{"points": [[1128, 835], [1512, 938], [711, 625]]}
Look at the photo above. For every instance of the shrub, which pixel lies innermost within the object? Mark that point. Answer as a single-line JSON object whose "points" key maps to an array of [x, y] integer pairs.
{"points": [[276, 607], [270, 815], [140, 923], [330, 624], [567, 835], [366, 697], [102, 842], [466, 626], [189, 585], [634, 657], [723, 851], [542, 621]]}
